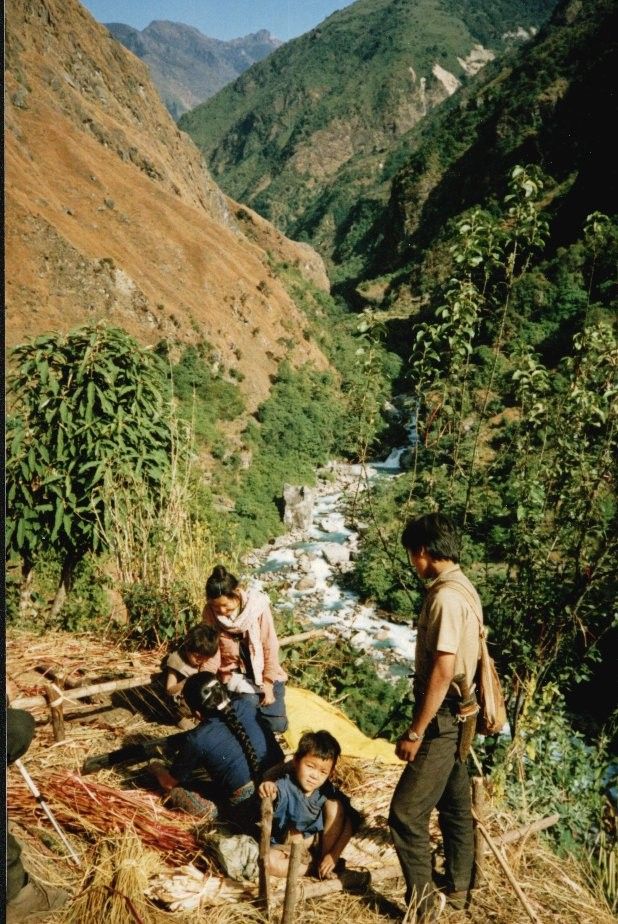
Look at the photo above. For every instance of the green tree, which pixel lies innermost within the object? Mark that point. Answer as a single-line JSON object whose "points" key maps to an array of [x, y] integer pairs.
{"points": [[89, 411]]}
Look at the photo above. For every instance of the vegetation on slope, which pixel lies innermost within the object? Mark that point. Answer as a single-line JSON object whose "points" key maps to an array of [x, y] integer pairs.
{"points": [[280, 134]]}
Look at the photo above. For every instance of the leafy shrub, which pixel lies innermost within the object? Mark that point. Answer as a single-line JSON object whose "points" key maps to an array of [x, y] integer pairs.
{"points": [[157, 614], [550, 768]]}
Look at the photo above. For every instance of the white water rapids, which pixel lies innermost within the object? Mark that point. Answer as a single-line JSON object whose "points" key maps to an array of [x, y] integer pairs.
{"points": [[308, 564]]}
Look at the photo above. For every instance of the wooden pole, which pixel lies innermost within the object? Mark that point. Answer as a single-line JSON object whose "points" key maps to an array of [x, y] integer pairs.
{"points": [[291, 884], [478, 806], [266, 824], [509, 873], [72, 696], [301, 637], [316, 889], [53, 696], [509, 837]]}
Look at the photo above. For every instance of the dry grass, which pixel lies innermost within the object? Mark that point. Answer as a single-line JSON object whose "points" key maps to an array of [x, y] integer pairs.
{"points": [[114, 823]]}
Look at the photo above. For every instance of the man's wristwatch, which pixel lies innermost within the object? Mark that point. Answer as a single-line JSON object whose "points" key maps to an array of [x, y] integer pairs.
{"points": [[413, 736]]}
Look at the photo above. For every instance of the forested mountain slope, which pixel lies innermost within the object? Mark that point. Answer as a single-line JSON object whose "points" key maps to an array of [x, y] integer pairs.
{"points": [[186, 66], [285, 130], [549, 105]]}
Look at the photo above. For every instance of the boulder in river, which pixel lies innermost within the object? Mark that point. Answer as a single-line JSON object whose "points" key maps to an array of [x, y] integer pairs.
{"points": [[334, 553], [299, 500]]}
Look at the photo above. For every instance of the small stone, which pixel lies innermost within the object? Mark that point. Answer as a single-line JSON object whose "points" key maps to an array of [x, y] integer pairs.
{"points": [[109, 203], [20, 98]]}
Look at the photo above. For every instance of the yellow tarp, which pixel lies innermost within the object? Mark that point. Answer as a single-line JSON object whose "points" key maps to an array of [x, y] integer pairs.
{"points": [[309, 712]]}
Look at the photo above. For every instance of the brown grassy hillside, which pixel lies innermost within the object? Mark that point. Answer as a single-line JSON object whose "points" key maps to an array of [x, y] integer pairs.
{"points": [[110, 212]]}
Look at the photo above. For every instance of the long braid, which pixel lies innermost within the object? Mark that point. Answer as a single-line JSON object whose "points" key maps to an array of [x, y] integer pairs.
{"points": [[235, 726]]}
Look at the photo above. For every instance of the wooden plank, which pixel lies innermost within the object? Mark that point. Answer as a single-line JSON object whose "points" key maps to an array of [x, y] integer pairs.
{"points": [[72, 696]]}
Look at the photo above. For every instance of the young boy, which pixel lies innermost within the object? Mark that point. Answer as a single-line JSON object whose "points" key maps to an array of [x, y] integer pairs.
{"points": [[198, 647], [200, 644], [306, 802]]}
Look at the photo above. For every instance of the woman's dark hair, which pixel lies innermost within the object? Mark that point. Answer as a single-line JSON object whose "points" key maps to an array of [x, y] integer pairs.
{"points": [[204, 693], [221, 584], [318, 744], [434, 532], [202, 640]]}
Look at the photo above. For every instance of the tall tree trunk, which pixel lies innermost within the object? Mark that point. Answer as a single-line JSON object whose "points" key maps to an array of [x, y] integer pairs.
{"points": [[66, 582], [27, 576]]}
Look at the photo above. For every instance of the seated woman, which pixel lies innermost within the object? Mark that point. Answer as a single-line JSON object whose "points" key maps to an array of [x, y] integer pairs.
{"points": [[230, 744], [247, 661]]}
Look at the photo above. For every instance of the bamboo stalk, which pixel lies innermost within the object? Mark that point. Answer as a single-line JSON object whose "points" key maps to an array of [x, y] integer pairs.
{"points": [[508, 873], [266, 824], [291, 884], [478, 806], [71, 696]]}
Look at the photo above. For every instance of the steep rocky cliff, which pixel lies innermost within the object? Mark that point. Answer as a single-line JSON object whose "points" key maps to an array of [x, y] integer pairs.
{"points": [[110, 212]]}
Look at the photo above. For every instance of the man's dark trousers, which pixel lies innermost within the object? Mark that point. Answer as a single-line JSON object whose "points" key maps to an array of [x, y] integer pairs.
{"points": [[435, 778]]}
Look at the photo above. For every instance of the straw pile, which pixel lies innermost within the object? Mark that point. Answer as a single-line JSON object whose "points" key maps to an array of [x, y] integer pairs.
{"points": [[114, 885]]}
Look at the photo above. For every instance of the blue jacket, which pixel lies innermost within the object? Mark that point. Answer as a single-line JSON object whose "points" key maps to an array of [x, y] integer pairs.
{"points": [[213, 747]]}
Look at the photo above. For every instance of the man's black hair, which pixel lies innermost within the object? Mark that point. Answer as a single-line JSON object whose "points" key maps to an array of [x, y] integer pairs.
{"points": [[434, 532], [318, 744], [204, 693], [202, 640]]}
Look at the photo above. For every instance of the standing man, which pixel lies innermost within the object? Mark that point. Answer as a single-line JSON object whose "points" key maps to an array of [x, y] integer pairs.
{"points": [[435, 775]]}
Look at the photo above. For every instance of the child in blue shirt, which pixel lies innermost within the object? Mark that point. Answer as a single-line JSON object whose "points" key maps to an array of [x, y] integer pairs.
{"points": [[306, 802]]}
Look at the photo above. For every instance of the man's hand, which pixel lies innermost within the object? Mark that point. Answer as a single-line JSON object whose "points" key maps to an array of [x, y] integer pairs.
{"points": [[164, 777], [268, 788], [406, 749], [268, 694]]}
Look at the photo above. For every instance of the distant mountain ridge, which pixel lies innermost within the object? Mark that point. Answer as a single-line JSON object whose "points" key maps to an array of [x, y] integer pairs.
{"points": [[285, 130], [188, 67]]}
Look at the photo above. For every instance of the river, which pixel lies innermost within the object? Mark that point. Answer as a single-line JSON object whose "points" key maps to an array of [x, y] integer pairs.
{"points": [[307, 566]]}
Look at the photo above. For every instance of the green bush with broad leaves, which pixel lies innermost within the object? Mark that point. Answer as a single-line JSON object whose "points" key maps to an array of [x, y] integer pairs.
{"points": [[158, 614], [88, 411]]}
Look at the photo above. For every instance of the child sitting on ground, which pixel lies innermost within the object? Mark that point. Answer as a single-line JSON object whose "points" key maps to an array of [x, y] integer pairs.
{"points": [[197, 648], [306, 802]]}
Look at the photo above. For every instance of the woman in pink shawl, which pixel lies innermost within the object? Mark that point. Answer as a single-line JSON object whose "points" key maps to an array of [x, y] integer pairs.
{"points": [[247, 661]]}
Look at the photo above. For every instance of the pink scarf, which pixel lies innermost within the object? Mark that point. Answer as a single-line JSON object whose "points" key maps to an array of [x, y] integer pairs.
{"points": [[247, 621]]}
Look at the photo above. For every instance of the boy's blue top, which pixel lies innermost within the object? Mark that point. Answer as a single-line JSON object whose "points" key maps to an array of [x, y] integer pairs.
{"points": [[213, 747], [302, 811]]}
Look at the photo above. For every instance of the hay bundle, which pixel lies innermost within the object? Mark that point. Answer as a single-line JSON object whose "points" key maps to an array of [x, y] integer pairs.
{"points": [[114, 886], [102, 810]]}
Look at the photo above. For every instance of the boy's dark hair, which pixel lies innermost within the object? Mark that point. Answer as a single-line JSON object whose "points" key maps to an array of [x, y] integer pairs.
{"points": [[434, 532], [202, 640], [221, 584], [318, 744]]}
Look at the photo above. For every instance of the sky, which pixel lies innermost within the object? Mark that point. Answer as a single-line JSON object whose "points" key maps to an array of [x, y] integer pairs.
{"points": [[220, 19]]}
